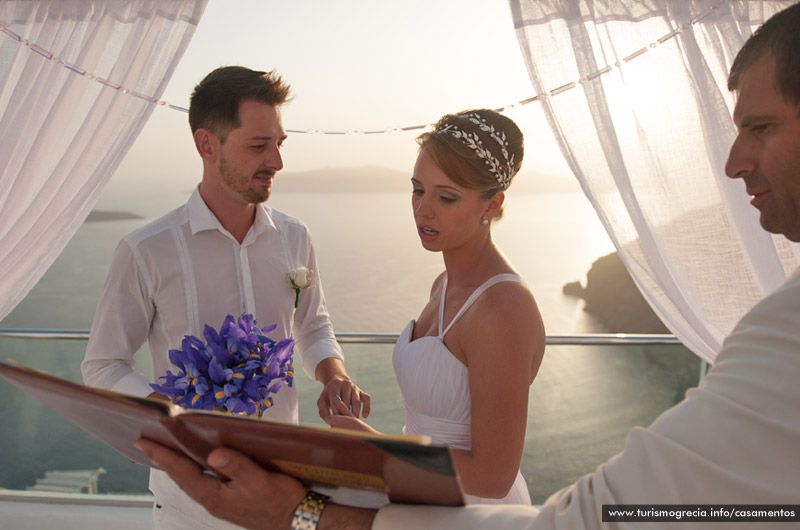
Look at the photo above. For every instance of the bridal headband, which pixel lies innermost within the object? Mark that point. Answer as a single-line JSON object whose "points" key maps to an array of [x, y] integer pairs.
{"points": [[502, 172]]}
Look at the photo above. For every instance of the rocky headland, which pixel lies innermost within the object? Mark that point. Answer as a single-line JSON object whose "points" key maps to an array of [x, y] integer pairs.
{"points": [[614, 299]]}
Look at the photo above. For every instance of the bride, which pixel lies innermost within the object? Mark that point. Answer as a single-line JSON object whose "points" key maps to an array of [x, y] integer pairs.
{"points": [[465, 365]]}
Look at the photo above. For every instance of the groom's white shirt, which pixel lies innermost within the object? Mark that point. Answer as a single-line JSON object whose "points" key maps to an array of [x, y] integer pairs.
{"points": [[184, 270]]}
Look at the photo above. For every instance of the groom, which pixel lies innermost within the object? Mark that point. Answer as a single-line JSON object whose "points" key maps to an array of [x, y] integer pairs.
{"points": [[734, 439], [223, 252]]}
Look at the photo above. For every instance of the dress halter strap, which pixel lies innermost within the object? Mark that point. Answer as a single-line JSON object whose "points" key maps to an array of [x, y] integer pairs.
{"points": [[506, 277]]}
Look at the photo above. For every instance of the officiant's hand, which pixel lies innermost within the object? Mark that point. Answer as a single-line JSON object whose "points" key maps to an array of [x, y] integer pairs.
{"points": [[248, 498], [339, 389], [251, 496]]}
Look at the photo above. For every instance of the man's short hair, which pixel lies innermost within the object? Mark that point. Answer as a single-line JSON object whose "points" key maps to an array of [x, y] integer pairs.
{"points": [[214, 104], [780, 37]]}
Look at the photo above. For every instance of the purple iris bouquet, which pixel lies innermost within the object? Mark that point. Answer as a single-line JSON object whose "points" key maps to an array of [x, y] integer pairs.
{"points": [[235, 369]]}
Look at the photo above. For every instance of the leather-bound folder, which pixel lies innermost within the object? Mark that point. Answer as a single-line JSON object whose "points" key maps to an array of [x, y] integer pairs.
{"points": [[408, 469]]}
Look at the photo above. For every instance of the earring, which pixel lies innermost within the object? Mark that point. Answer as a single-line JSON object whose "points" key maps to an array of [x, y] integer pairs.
{"points": [[485, 220]]}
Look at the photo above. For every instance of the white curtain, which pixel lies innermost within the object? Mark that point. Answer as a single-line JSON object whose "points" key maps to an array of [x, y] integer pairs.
{"points": [[78, 81], [635, 94]]}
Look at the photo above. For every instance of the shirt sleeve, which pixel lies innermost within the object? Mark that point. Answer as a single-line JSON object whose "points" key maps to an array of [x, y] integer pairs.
{"points": [[473, 517], [733, 440], [313, 331], [120, 327]]}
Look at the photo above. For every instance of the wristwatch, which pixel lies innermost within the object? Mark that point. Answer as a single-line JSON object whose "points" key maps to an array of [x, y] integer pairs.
{"points": [[308, 512]]}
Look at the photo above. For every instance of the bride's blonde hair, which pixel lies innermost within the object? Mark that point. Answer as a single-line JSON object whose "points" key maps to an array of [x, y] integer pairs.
{"points": [[479, 149]]}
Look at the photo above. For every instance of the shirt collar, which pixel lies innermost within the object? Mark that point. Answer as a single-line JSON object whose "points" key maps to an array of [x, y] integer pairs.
{"points": [[202, 218], [263, 219]]}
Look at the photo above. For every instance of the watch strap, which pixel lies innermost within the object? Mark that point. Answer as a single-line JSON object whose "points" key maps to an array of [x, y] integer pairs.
{"points": [[308, 511]]}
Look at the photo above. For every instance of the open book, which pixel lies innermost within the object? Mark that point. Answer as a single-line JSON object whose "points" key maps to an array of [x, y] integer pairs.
{"points": [[406, 468]]}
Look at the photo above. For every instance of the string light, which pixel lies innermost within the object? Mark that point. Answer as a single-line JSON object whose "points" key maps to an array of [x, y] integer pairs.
{"points": [[77, 70]]}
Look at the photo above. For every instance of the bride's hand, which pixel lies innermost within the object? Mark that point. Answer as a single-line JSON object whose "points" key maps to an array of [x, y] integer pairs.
{"points": [[344, 419]]}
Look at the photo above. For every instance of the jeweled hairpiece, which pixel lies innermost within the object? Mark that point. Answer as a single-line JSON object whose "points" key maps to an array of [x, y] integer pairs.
{"points": [[503, 172]]}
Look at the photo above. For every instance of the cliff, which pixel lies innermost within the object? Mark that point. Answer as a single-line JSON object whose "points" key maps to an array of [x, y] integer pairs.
{"points": [[614, 299]]}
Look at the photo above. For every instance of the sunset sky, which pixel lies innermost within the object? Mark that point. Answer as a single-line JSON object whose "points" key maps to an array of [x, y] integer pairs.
{"points": [[354, 65]]}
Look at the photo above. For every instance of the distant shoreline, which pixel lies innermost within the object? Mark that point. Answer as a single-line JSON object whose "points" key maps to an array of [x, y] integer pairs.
{"points": [[374, 179], [96, 216]]}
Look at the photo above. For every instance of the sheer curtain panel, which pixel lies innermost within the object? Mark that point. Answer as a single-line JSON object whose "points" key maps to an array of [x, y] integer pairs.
{"points": [[78, 81], [635, 94]]}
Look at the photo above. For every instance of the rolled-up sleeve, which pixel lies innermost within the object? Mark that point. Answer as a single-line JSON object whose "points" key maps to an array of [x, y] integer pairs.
{"points": [[313, 331], [120, 327], [474, 517]]}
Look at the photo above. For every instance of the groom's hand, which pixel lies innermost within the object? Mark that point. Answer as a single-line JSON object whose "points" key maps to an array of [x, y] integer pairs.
{"points": [[343, 392], [338, 388]]}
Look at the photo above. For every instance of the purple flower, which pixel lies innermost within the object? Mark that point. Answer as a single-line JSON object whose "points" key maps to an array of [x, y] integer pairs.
{"points": [[237, 369], [247, 323], [171, 389]]}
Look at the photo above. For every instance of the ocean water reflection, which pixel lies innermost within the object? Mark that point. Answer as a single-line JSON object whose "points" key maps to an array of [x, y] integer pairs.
{"points": [[376, 278]]}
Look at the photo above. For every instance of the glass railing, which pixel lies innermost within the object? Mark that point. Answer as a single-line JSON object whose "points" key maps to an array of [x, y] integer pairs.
{"points": [[590, 391]]}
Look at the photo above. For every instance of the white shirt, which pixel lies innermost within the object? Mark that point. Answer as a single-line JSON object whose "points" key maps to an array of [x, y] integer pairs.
{"points": [[733, 440], [184, 270]]}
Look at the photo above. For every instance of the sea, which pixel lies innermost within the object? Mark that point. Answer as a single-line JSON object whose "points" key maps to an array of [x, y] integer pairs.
{"points": [[376, 277]]}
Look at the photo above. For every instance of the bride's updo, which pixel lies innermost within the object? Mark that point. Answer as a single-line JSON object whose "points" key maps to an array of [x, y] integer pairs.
{"points": [[480, 149]]}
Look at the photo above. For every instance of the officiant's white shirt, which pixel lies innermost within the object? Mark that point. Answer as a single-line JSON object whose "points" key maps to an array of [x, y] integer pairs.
{"points": [[184, 270]]}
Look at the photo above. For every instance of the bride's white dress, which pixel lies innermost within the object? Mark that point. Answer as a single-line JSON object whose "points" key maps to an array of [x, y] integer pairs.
{"points": [[435, 388]]}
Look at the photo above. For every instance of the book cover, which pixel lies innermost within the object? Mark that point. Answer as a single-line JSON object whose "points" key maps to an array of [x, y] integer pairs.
{"points": [[407, 469]]}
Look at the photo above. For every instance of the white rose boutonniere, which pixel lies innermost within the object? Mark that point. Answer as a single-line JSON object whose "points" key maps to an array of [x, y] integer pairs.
{"points": [[300, 278]]}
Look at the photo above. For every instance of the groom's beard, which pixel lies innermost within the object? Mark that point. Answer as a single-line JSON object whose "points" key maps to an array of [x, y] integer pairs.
{"points": [[254, 189]]}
